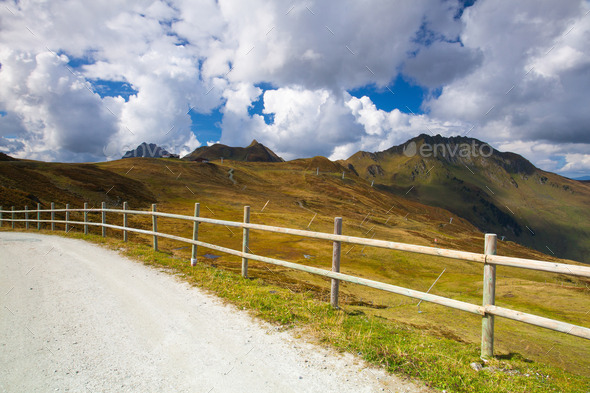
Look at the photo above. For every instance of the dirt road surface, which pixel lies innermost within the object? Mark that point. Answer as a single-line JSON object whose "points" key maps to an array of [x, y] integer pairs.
{"points": [[76, 317]]}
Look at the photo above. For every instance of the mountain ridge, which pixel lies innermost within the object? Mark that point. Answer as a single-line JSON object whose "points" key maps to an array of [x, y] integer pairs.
{"points": [[499, 192], [150, 150], [6, 157], [254, 152]]}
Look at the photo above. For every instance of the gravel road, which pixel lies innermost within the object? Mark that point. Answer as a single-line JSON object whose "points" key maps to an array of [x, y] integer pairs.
{"points": [[77, 317]]}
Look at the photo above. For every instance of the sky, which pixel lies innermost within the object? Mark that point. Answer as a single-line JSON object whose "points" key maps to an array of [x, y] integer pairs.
{"points": [[84, 81]]}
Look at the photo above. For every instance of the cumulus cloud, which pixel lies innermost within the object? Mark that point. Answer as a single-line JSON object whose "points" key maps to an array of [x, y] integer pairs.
{"points": [[533, 74], [11, 125], [516, 74], [315, 44], [441, 63], [385, 129], [308, 122], [239, 128], [577, 164], [56, 110], [305, 122], [63, 117]]}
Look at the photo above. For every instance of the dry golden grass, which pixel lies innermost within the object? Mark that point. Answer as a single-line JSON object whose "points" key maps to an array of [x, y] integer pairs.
{"points": [[295, 194]]}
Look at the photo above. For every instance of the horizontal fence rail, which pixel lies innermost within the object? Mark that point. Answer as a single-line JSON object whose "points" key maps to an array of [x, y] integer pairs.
{"points": [[487, 310], [532, 264]]}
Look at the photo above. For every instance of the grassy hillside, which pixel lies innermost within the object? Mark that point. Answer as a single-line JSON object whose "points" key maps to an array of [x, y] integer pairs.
{"points": [[503, 193], [296, 196], [30, 182]]}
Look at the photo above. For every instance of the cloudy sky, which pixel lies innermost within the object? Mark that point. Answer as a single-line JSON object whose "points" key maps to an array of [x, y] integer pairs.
{"points": [[85, 80]]}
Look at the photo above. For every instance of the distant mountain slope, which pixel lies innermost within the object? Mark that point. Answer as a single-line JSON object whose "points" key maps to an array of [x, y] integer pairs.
{"points": [[292, 194], [498, 192], [4, 157], [320, 164], [255, 152], [147, 150], [25, 183]]}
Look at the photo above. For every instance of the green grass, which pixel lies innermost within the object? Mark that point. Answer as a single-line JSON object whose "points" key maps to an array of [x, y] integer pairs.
{"points": [[493, 195], [430, 359], [296, 193]]}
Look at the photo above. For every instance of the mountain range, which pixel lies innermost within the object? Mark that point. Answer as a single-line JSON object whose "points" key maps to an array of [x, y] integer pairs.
{"points": [[498, 192], [255, 152], [150, 150]]}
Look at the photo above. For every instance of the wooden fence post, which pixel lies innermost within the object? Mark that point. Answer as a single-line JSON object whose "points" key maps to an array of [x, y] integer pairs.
{"points": [[26, 217], [155, 227], [52, 216], [12, 217], [245, 241], [125, 235], [67, 217], [38, 216], [195, 235], [103, 206], [489, 298], [336, 263], [85, 218], [0, 216]]}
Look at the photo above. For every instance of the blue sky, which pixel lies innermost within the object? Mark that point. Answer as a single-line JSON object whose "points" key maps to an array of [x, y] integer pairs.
{"points": [[108, 88], [207, 127], [401, 94], [84, 83]]}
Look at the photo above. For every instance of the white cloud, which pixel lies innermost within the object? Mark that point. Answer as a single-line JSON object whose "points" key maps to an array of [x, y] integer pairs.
{"points": [[305, 122], [306, 44], [238, 127], [534, 72], [441, 63], [577, 164], [134, 44], [308, 123], [517, 72], [386, 129], [56, 109]]}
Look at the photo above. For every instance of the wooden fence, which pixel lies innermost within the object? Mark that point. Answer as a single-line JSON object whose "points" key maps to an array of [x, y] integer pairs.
{"points": [[488, 258]]}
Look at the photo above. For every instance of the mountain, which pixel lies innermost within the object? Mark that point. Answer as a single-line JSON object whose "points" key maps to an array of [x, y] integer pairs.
{"points": [[26, 183], [498, 192], [4, 157], [583, 178], [148, 150], [255, 152]]}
